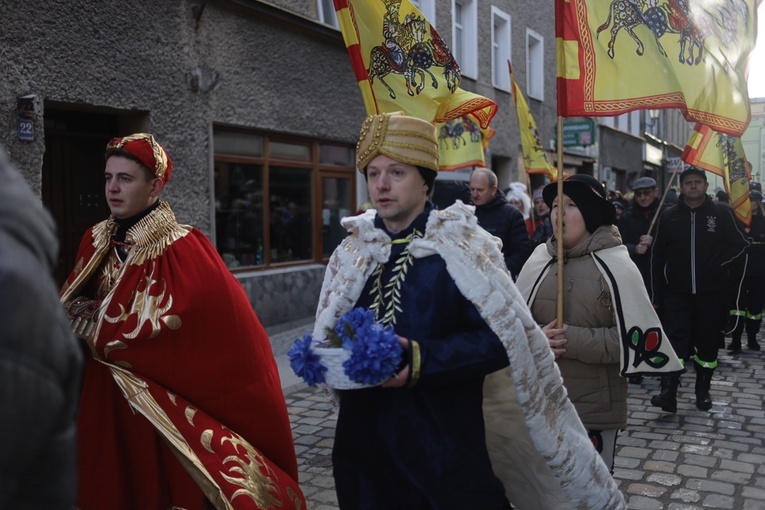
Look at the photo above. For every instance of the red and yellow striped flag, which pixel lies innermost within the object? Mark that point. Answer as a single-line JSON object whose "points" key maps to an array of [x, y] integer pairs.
{"points": [[533, 153], [723, 155], [402, 64], [618, 56]]}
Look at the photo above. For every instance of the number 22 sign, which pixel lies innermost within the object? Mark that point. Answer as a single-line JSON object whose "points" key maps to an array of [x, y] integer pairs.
{"points": [[26, 130]]}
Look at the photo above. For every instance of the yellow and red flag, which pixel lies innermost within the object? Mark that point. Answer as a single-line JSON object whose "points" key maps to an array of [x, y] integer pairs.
{"points": [[723, 155], [533, 153], [402, 64], [461, 143], [619, 56]]}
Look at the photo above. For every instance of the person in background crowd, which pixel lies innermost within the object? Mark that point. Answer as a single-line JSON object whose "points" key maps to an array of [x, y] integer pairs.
{"points": [[722, 198], [671, 198], [40, 361], [634, 224], [752, 296], [692, 255], [543, 230], [539, 212], [500, 219], [181, 403], [619, 207], [588, 346], [517, 197]]}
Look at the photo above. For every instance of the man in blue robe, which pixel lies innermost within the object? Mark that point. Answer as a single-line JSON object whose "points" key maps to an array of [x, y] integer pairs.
{"points": [[417, 441]]}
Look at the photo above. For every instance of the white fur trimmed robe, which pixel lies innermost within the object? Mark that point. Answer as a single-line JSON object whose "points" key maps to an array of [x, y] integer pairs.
{"points": [[537, 444]]}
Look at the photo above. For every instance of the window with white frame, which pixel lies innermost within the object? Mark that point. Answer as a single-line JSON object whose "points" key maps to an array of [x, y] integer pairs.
{"points": [[428, 9], [535, 65], [464, 36], [500, 48], [327, 13]]}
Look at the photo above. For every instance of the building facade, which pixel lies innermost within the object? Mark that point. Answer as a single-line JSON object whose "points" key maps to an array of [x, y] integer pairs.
{"points": [[257, 105], [754, 139]]}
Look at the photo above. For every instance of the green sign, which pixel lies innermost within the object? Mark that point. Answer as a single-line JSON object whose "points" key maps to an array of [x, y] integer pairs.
{"points": [[578, 132]]}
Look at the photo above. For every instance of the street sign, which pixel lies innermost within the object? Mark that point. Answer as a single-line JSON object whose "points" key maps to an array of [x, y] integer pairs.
{"points": [[578, 132]]}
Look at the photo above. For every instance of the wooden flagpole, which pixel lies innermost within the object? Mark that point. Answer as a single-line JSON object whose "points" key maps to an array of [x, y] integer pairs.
{"points": [[663, 198], [559, 236]]}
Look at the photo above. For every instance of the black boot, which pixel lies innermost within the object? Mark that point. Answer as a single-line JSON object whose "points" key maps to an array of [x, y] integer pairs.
{"points": [[752, 327], [738, 330], [667, 397], [735, 344], [703, 382]]}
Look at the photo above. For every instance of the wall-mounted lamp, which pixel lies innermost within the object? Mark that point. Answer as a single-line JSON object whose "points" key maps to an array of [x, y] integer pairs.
{"points": [[29, 106]]}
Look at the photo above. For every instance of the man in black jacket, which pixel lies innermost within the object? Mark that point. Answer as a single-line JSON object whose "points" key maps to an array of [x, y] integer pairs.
{"points": [[500, 219], [634, 224], [40, 362], [694, 247]]}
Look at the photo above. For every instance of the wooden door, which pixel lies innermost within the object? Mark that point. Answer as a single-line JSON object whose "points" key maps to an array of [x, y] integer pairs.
{"points": [[73, 176]]}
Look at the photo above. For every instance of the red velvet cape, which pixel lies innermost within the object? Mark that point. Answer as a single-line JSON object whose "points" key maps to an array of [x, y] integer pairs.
{"points": [[179, 359]]}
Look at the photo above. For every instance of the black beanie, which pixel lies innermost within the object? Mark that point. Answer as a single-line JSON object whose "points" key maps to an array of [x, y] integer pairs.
{"points": [[589, 196]]}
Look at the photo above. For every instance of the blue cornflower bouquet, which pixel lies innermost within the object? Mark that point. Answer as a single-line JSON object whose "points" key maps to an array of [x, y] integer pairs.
{"points": [[358, 352]]}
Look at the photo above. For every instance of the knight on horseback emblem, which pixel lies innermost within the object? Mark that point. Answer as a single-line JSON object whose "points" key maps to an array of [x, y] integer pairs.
{"points": [[693, 25], [411, 47]]}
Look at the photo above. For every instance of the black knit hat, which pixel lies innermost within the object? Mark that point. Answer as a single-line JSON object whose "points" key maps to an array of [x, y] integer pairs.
{"points": [[589, 196]]}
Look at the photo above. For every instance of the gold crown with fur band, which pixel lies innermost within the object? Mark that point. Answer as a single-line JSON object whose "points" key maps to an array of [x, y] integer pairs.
{"points": [[398, 136]]}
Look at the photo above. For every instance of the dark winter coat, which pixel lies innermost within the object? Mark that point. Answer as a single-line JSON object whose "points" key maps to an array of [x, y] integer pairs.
{"points": [[693, 249], [633, 224], [40, 361], [505, 221]]}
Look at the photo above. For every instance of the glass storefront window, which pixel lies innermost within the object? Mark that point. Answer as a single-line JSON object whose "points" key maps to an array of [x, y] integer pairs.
{"points": [[337, 205], [280, 201], [239, 213], [290, 218]]}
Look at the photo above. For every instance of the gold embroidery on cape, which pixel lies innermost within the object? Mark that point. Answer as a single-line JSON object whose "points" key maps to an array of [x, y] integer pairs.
{"points": [[148, 309], [114, 345], [190, 412], [153, 234], [102, 234], [172, 321], [206, 440], [253, 483], [391, 292], [294, 498], [109, 273]]}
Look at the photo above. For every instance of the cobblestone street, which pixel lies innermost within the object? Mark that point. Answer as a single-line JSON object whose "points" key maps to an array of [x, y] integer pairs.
{"points": [[689, 460]]}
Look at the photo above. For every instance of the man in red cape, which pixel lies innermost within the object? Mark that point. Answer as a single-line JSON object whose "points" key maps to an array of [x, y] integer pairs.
{"points": [[181, 402]]}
